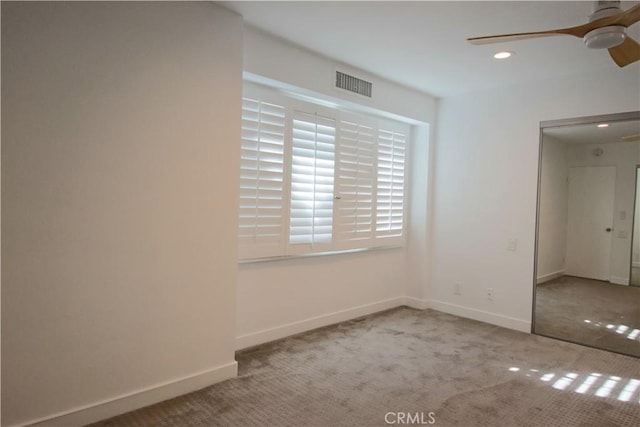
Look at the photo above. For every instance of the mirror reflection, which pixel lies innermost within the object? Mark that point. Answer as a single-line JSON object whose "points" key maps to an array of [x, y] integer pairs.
{"points": [[634, 278], [587, 285]]}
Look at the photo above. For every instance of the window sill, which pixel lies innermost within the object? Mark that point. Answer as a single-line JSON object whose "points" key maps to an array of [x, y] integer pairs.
{"points": [[318, 254]]}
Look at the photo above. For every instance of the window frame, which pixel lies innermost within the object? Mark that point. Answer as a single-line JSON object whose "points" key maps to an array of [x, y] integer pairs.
{"points": [[292, 105]]}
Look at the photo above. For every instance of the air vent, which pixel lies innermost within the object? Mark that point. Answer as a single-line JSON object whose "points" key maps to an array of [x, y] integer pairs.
{"points": [[353, 84]]}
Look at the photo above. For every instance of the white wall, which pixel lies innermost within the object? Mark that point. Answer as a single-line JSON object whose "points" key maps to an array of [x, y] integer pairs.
{"points": [[553, 205], [118, 240], [419, 247], [277, 59], [624, 156], [486, 167], [278, 298]]}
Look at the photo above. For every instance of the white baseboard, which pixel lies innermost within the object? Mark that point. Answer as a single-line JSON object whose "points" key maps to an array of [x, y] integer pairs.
{"points": [[619, 280], [482, 316], [137, 399], [278, 332], [420, 304], [548, 277]]}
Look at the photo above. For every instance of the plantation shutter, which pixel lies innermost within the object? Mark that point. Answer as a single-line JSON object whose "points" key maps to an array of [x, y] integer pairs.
{"points": [[356, 180], [312, 179], [261, 179], [317, 182], [390, 183]]}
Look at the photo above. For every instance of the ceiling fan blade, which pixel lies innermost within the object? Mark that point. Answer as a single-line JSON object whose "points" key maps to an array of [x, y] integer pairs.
{"points": [[629, 17], [511, 37], [631, 138], [625, 19], [625, 53]]}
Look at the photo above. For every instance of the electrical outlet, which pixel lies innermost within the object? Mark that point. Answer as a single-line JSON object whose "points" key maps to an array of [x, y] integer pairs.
{"points": [[457, 288], [490, 294], [512, 244]]}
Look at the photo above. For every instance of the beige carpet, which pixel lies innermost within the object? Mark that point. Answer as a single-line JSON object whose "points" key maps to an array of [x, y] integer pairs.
{"points": [[634, 280], [590, 312], [403, 361]]}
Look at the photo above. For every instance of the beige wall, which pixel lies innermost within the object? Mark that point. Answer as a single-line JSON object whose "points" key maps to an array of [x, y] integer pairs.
{"points": [[118, 215]]}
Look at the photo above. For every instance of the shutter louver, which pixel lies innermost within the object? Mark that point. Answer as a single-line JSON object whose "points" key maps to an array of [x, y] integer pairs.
{"points": [[261, 179], [312, 178], [356, 179], [390, 184]]}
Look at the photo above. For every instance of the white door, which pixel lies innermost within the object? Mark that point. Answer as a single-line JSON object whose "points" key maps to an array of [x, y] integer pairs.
{"points": [[590, 221]]}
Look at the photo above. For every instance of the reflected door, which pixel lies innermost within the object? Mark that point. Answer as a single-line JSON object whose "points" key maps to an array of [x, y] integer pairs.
{"points": [[590, 221]]}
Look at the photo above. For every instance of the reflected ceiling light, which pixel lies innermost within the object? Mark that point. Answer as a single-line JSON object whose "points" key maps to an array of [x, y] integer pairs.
{"points": [[502, 55], [603, 125]]}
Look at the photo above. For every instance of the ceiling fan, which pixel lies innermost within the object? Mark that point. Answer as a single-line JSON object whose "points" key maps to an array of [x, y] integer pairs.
{"points": [[606, 29]]}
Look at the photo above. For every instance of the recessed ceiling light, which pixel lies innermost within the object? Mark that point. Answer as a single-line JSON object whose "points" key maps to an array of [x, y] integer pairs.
{"points": [[503, 55], [603, 125]]}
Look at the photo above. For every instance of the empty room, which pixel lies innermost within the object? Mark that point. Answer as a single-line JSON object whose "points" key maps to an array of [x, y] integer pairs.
{"points": [[317, 213]]}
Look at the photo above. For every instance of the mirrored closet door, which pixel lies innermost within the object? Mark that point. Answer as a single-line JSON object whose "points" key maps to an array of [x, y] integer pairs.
{"points": [[587, 284]]}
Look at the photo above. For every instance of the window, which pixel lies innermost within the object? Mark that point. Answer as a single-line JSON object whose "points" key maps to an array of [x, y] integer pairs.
{"points": [[356, 184], [390, 194], [316, 179], [261, 178], [312, 178]]}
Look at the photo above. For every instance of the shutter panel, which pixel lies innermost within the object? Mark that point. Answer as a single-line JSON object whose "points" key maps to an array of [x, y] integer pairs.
{"points": [[390, 184], [356, 180], [312, 178], [261, 179]]}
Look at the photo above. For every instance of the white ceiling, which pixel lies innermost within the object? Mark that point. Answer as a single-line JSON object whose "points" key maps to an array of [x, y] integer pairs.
{"points": [[422, 44]]}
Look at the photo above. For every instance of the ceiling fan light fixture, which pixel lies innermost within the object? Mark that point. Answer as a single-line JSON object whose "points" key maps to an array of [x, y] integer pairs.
{"points": [[605, 37]]}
